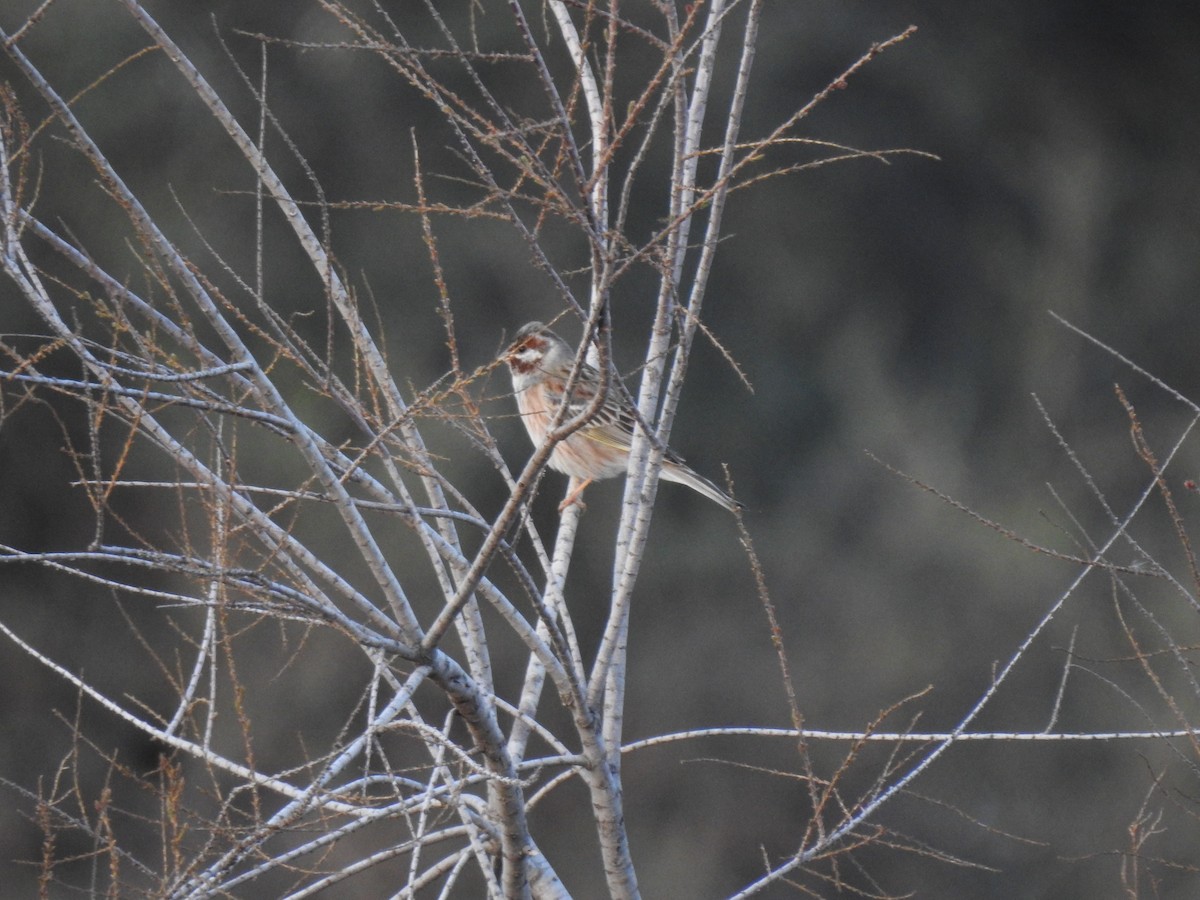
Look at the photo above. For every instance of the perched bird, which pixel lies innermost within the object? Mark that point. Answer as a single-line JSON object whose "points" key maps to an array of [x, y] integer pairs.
{"points": [[540, 362]]}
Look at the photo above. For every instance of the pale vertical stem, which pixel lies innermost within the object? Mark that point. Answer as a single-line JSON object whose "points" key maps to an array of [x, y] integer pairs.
{"points": [[553, 599], [596, 105], [660, 331], [599, 109], [260, 244], [206, 647], [531, 694], [604, 785], [716, 212], [613, 673], [564, 547], [506, 800], [690, 158], [646, 460], [614, 676], [603, 780], [207, 643]]}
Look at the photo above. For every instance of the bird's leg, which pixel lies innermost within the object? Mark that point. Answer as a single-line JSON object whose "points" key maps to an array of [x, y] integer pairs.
{"points": [[573, 497]]}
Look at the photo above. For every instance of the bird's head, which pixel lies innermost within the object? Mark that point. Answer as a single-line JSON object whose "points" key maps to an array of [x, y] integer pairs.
{"points": [[535, 347]]}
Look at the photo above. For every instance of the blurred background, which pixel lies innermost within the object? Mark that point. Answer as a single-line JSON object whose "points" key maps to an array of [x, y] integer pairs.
{"points": [[901, 309]]}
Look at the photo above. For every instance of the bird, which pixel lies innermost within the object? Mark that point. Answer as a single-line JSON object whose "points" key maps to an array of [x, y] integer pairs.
{"points": [[540, 363]]}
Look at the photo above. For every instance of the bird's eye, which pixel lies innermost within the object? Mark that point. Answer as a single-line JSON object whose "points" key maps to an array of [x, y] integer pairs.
{"points": [[529, 345]]}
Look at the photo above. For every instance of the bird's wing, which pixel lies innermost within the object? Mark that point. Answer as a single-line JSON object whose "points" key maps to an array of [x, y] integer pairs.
{"points": [[614, 423]]}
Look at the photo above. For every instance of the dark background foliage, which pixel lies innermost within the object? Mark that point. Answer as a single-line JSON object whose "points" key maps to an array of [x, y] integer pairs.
{"points": [[900, 309]]}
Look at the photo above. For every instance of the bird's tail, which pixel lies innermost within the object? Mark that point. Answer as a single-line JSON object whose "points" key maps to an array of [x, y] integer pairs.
{"points": [[681, 474]]}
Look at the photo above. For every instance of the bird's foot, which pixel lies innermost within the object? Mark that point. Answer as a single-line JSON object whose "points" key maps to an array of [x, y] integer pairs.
{"points": [[575, 497]]}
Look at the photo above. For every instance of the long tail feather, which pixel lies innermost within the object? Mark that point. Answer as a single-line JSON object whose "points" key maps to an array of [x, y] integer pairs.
{"points": [[683, 475]]}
